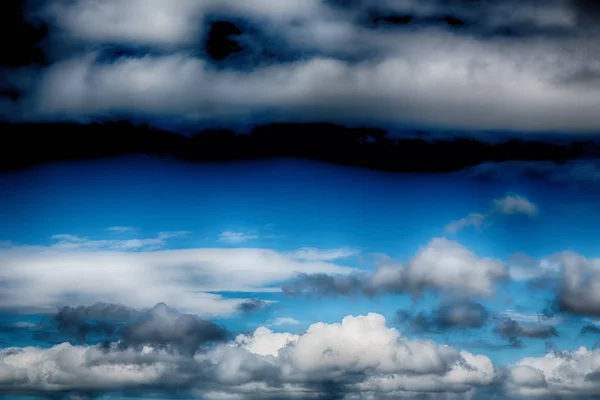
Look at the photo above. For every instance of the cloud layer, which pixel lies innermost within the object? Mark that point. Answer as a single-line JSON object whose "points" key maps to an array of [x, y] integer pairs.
{"points": [[513, 66]]}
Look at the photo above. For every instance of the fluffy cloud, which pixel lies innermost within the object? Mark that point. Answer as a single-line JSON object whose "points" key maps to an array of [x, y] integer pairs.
{"points": [[567, 374], [42, 278], [443, 265], [360, 355], [579, 288]]}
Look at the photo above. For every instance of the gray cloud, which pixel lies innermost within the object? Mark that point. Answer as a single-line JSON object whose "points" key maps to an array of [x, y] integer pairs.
{"points": [[252, 305], [465, 314], [510, 204], [161, 326], [431, 75], [443, 265], [578, 291], [514, 330]]}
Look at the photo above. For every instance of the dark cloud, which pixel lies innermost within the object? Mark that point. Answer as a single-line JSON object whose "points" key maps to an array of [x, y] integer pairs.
{"points": [[160, 326], [370, 148], [465, 314], [590, 329], [513, 330], [252, 305]]}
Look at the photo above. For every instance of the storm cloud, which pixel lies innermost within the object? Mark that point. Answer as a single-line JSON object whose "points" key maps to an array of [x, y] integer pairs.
{"points": [[538, 60]]}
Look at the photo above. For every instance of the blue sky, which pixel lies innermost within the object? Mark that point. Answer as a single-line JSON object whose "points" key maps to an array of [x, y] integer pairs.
{"points": [[286, 205], [283, 278]]}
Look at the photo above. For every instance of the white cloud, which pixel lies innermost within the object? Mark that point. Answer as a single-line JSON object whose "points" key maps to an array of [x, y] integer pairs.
{"points": [[515, 204], [473, 219], [236, 237], [361, 355], [442, 265], [122, 229], [73, 242], [41, 278], [420, 81], [569, 374], [313, 254], [448, 266], [284, 321]]}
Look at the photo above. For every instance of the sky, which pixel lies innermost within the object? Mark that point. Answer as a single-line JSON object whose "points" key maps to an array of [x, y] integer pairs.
{"points": [[299, 199]]}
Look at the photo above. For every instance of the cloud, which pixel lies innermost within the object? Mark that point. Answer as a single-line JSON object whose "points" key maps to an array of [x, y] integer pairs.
{"points": [[557, 374], [578, 291], [312, 254], [507, 205], [443, 265], [284, 321], [236, 237], [570, 173], [73, 242], [122, 229], [161, 326], [473, 219], [359, 356], [465, 314], [252, 305], [42, 278], [427, 76], [515, 204], [512, 330], [165, 327]]}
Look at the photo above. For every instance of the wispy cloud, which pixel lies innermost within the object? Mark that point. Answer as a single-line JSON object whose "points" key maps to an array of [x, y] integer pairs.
{"points": [[122, 229], [236, 237], [284, 321], [511, 204], [473, 219], [313, 254], [515, 204], [73, 242]]}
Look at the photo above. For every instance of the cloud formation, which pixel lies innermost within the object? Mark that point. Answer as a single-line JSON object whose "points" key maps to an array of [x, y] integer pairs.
{"points": [[465, 314], [360, 355], [537, 61], [511, 204], [442, 265], [37, 278]]}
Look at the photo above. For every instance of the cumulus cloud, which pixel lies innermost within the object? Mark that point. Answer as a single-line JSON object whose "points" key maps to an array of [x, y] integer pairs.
{"points": [[443, 265], [578, 291], [360, 355], [558, 374], [42, 278]]}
